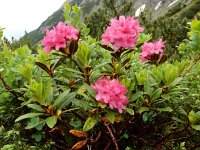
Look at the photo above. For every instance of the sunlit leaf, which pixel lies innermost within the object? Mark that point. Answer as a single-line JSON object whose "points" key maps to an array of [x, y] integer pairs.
{"points": [[90, 123], [51, 121]]}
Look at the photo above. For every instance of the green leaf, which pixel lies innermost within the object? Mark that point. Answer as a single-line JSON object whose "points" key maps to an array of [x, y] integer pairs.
{"points": [[60, 99], [86, 31], [182, 111], [82, 90], [37, 137], [83, 54], [136, 96], [29, 115], [68, 75], [178, 120], [67, 101], [166, 109], [91, 91], [100, 66], [75, 9], [196, 127], [147, 87], [110, 115], [82, 104], [144, 37], [37, 125], [130, 111], [143, 109], [130, 94], [49, 98], [194, 117], [90, 123], [26, 71], [51, 121], [145, 116], [59, 62], [175, 82], [36, 107], [156, 94]]}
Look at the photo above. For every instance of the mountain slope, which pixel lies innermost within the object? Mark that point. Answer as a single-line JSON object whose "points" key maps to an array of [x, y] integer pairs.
{"points": [[154, 8]]}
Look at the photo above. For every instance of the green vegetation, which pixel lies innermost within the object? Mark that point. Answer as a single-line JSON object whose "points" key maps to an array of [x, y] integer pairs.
{"points": [[191, 10], [47, 102]]}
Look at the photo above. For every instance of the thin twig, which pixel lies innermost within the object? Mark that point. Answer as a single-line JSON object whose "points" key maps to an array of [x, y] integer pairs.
{"points": [[112, 136], [107, 146], [143, 141], [178, 139], [176, 132], [195, 146], [97, 138]]}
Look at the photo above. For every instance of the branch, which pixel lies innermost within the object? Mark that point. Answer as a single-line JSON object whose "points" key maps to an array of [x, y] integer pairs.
{"points": [[176, 132], [7, 87], [194, 63], [178, 139], [143, 141], [112, 136], [97, 138], [195, 146]]}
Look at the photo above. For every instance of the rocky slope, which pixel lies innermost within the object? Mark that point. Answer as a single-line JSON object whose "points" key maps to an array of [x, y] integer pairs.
{"points": [[152, 7]]}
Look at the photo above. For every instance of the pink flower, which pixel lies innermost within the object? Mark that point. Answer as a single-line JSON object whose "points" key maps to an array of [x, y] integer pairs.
{"points": [[150, 49], [111, 92], [122, 33], [58, 37]]}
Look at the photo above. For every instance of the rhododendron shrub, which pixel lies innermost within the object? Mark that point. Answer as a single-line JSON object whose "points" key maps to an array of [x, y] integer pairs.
{"points": [[91, 96], [122, 33], [58, 37], [150, 49], [111, 92]]}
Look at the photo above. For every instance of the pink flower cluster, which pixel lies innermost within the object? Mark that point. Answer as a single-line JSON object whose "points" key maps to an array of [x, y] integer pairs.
{"points": [[149, 49], [122, 33], [111, 92], [58, 37]]}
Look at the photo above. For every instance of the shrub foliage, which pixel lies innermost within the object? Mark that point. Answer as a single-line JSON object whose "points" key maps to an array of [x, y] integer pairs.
{"points": [[47, 101]]}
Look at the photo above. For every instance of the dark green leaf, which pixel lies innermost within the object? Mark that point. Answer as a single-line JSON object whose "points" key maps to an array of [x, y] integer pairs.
{"points": [[38, 125], [67, 100], [143, 109], [29, 115], [36, 107], [49, 98], [156, 94], [61, 99], [37, 137], [60, 61], [167, 109], [136, 96]]}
